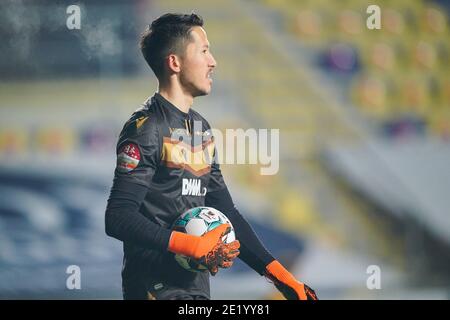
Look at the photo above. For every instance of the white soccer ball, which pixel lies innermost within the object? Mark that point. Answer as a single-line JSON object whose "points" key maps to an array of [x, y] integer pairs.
{"points": [[197, 221]]}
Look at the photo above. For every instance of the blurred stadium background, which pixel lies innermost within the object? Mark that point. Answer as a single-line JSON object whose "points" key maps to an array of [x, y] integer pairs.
{"points": [[364, 118]]}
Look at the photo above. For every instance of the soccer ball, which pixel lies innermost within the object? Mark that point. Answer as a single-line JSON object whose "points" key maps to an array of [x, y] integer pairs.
{"points": [[197, 221]]}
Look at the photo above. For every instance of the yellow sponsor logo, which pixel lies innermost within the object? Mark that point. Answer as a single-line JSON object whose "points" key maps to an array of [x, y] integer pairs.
{"points": [[197, 160], [140, 121]]}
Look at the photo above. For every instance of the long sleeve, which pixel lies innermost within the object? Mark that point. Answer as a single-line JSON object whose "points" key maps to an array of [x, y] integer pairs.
{"points": [[253, 252], [138, 153], [124, 222]]}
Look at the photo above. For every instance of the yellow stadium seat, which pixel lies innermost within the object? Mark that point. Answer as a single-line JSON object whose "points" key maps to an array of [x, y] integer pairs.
{"points": [[370, 93], [380, 56], [13, 142], [423, 56], [433, 21], [414, 94]]}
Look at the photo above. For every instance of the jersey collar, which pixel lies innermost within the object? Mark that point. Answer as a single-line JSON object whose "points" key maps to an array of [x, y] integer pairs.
{"points": [[171, 107]]}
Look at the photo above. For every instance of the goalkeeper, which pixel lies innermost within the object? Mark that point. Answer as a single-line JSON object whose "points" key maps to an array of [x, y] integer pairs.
{"points": [[154, 178]]}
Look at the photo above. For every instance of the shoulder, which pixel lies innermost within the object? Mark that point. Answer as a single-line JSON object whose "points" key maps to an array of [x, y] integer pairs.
{"points": [[142, 127]]}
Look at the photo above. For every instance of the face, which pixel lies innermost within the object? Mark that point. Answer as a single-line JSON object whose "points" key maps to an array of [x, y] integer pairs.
{"points": [[197, 64]]}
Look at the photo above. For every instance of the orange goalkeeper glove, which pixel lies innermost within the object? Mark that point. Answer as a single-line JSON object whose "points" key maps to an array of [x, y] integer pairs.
{"points": [[287, 284], [208, 249]]}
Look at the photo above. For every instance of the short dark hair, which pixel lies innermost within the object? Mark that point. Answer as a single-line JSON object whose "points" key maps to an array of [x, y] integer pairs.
{"points": [[167, 34]]}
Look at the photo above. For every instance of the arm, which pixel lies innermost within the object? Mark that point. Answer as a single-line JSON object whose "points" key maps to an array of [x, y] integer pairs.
{"points": [[138, 151], [124, 222], [253, 252]]}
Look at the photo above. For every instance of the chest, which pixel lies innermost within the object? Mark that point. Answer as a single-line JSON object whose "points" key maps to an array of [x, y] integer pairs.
{"points": [[182, 150]]}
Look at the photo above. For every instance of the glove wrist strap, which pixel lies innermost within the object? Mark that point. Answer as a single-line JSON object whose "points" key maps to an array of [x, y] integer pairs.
{"points": [[275, 270], [185, 244]]}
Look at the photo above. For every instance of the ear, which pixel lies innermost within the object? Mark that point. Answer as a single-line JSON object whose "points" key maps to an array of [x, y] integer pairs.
{"points": [[174, 63]]}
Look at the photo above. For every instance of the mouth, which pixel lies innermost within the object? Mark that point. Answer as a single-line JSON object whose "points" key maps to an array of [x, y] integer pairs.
{"points": [[209, 75]]}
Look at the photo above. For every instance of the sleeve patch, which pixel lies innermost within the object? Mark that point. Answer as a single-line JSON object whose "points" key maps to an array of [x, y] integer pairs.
{"points": [[128, 157]]}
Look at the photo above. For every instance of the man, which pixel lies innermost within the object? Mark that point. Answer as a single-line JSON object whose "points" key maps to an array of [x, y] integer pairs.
{"points": [[152, 167]]}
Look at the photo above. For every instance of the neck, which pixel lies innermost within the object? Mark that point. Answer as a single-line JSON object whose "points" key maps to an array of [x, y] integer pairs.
{"points": [[176, 96]]}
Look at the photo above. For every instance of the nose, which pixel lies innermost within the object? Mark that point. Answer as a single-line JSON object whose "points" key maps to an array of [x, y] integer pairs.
{"points": [[212, 62]]}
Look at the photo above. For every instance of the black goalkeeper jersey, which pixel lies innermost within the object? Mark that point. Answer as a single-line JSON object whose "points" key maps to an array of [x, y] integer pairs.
{"points": [[171, 161], [165, 166]]}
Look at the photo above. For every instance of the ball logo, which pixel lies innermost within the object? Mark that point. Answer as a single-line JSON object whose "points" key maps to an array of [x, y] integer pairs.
{"points": [[209, 216]]}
